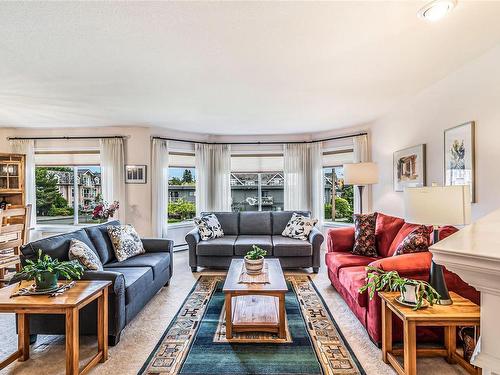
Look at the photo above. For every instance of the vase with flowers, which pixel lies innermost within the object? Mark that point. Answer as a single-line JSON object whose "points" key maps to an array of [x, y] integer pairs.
{"points": [[104, 211]]}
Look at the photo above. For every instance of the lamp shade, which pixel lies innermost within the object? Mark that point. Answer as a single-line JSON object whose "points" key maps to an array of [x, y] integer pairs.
{"points": [[360, 174], [438, 205]]}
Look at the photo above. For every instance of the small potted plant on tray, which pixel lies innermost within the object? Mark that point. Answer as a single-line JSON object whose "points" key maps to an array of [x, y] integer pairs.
{"points": [[46, 271], [414, 293], [254, 260]]}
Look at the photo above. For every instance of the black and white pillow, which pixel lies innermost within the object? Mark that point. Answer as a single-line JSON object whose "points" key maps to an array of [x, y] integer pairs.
{"points": [[126, 242], [299, 227], [209, 227], [79, 251]]}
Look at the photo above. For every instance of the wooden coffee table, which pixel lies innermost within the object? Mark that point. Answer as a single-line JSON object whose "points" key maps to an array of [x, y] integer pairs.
{"points": [[69, 303], [255, 307]]}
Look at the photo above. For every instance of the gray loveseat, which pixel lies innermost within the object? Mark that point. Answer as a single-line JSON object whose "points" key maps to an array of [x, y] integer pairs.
{"points": [[244, 229], [135, 280]]}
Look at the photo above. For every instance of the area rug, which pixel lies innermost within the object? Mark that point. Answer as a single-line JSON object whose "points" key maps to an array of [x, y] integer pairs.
{"points": [[192, 343]]}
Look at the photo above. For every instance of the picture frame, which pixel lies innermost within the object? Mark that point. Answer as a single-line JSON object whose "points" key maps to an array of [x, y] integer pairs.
{"points": [[135, 174], [409, 167], [460, 156]]}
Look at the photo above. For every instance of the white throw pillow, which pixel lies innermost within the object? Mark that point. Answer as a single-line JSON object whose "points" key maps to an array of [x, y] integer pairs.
{"points": [[209, 227], [79, 251], [126, 241], [299, 227]]}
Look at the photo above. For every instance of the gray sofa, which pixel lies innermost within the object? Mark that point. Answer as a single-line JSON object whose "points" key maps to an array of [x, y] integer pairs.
{"points": [[135, 280], [244, 229]]}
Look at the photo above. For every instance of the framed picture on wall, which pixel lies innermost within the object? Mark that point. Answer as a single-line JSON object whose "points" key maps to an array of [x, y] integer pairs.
{"points": [[460, 156], [409, 167], [135, 174]]}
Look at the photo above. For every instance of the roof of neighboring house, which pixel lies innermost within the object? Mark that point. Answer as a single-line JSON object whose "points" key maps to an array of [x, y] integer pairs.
{"points": [[66, 177]]}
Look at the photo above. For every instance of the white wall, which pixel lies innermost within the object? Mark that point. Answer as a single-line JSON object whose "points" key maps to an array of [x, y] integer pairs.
{"points": [[470, 93]]}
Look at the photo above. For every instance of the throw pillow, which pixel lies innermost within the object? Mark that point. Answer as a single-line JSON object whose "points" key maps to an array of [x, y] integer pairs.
{"points": [[299, 227], [126, 241], [415, 242], [364, 235], [209, 227], [80, 252]]}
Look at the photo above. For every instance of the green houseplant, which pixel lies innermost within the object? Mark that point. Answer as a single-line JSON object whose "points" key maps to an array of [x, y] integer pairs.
{"points": [[254, 260], [412, 291], [46, 271]]}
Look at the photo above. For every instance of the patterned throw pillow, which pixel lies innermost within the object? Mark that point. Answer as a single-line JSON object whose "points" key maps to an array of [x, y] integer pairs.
{"points": [[126, 241], [209, 227], [415, 242], [299, 227], [84, 255], [364, 235]]}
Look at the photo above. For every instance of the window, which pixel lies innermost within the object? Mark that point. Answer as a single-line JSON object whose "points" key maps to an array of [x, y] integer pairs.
{"points": [[339, 198], [181, 194], [57, 200]]}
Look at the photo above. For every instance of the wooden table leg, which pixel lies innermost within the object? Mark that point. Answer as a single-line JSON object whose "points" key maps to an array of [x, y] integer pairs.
{"points": [[229, 323], [450, 343], [72, 342], [281, 317], [102, 325], [23, 336], [386, 331], [410, 348]]}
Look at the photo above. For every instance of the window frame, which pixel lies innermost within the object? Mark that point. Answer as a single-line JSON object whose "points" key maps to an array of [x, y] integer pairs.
{"points": [[332, 221], [259, 186], [188, 222]]}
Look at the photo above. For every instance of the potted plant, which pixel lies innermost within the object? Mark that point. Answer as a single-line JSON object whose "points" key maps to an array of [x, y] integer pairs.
{"points": [[413, 292], [46, 271], [254, 260]]}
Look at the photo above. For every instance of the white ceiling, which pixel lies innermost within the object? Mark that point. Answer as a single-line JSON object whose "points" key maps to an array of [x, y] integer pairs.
{"points": [[224, 67]]}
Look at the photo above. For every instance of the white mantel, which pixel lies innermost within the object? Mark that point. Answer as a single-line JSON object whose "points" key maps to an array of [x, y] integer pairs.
{"points": [[474, 254]]}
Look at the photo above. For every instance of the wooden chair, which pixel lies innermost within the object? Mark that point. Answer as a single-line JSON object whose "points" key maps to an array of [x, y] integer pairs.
{"points": [[14, 232]]}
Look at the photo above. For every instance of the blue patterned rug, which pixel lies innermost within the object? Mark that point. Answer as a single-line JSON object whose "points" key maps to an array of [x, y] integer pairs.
{"points": [[192, 343]]}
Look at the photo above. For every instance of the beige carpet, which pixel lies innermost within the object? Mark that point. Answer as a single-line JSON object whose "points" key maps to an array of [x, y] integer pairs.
{"points": [[140, 337]]}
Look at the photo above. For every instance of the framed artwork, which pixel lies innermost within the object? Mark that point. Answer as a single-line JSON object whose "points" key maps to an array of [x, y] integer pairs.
{"points": [[135, 174], [409, 167], [460, 156]]}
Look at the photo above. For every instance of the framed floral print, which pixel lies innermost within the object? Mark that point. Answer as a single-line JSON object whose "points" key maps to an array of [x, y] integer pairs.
{"points": [[460, 156], [409, 167]]}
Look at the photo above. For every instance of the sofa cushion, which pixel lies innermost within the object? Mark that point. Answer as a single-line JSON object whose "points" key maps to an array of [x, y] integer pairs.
{"points": [[386, 229], [281, 218], [337, 261], [209, 227], [244, 243], [159, 262], [299, 227], [228, 221], [415, 242], [84, 255], [218, 247], [126, 241], [353, 278], [291, 247], [137, 281], [255, 223], [364, 235], [405, 230], [102, 243]]}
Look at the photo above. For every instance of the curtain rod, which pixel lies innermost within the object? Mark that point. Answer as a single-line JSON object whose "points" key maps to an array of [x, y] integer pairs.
{"points": [[261, 142], [75, 137]]}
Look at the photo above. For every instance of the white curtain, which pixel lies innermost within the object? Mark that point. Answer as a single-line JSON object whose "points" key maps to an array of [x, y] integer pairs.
{"points": [[27, 147], [360, 151], [213, 181], [159, 187], [304, 178], [113, 173]]}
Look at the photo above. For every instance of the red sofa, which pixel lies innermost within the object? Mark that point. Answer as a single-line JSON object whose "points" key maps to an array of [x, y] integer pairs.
{"points": [[347, 272]]}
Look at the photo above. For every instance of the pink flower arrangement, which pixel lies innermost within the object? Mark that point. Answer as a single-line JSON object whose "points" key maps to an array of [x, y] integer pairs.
{"points": [[104, 211]]}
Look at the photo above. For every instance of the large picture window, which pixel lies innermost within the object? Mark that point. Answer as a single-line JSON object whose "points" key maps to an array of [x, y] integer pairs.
{"points": [[181, 194], [257, 191], [339, 198]]}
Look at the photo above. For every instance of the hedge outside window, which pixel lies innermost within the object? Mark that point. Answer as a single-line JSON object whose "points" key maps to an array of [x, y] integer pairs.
{"points": [[339, 198]]}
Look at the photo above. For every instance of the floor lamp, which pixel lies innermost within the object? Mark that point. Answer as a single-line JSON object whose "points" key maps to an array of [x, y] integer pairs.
{"points": [[437, 206], [360, 174]]}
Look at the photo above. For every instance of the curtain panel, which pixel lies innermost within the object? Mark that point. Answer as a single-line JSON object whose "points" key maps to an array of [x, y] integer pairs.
{"points": [[213, 180], [113, 173], [159, 187], [360, 155]]}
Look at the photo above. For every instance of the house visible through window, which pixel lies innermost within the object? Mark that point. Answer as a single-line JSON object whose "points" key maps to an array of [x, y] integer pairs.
{"points": [[257, 191]]}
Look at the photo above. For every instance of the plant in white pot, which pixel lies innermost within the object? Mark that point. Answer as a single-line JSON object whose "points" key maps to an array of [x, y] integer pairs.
{"points": [[413, 292], [254, 260]]}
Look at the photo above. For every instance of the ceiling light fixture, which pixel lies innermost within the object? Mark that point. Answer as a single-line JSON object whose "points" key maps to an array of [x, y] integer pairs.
{"points": [[436, 10]]}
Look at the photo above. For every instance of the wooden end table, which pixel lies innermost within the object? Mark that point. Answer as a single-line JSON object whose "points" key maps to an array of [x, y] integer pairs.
{"points": [[69, 304], [255, 307], [461, 313]]}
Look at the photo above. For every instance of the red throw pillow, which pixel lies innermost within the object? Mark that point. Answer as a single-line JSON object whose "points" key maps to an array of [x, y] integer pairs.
{"points": [[387, 228], [415, 242], [364, 235], [405, 230]]}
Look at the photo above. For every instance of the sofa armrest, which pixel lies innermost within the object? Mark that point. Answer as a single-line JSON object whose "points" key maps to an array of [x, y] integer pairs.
{"points": [[118, 280], [316, 239], [192, 239], [157, 245], [407, 265], [340, 239]]}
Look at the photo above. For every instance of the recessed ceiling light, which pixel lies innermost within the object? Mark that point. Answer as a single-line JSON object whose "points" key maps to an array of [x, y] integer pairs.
{"points": [[436, 10]]}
